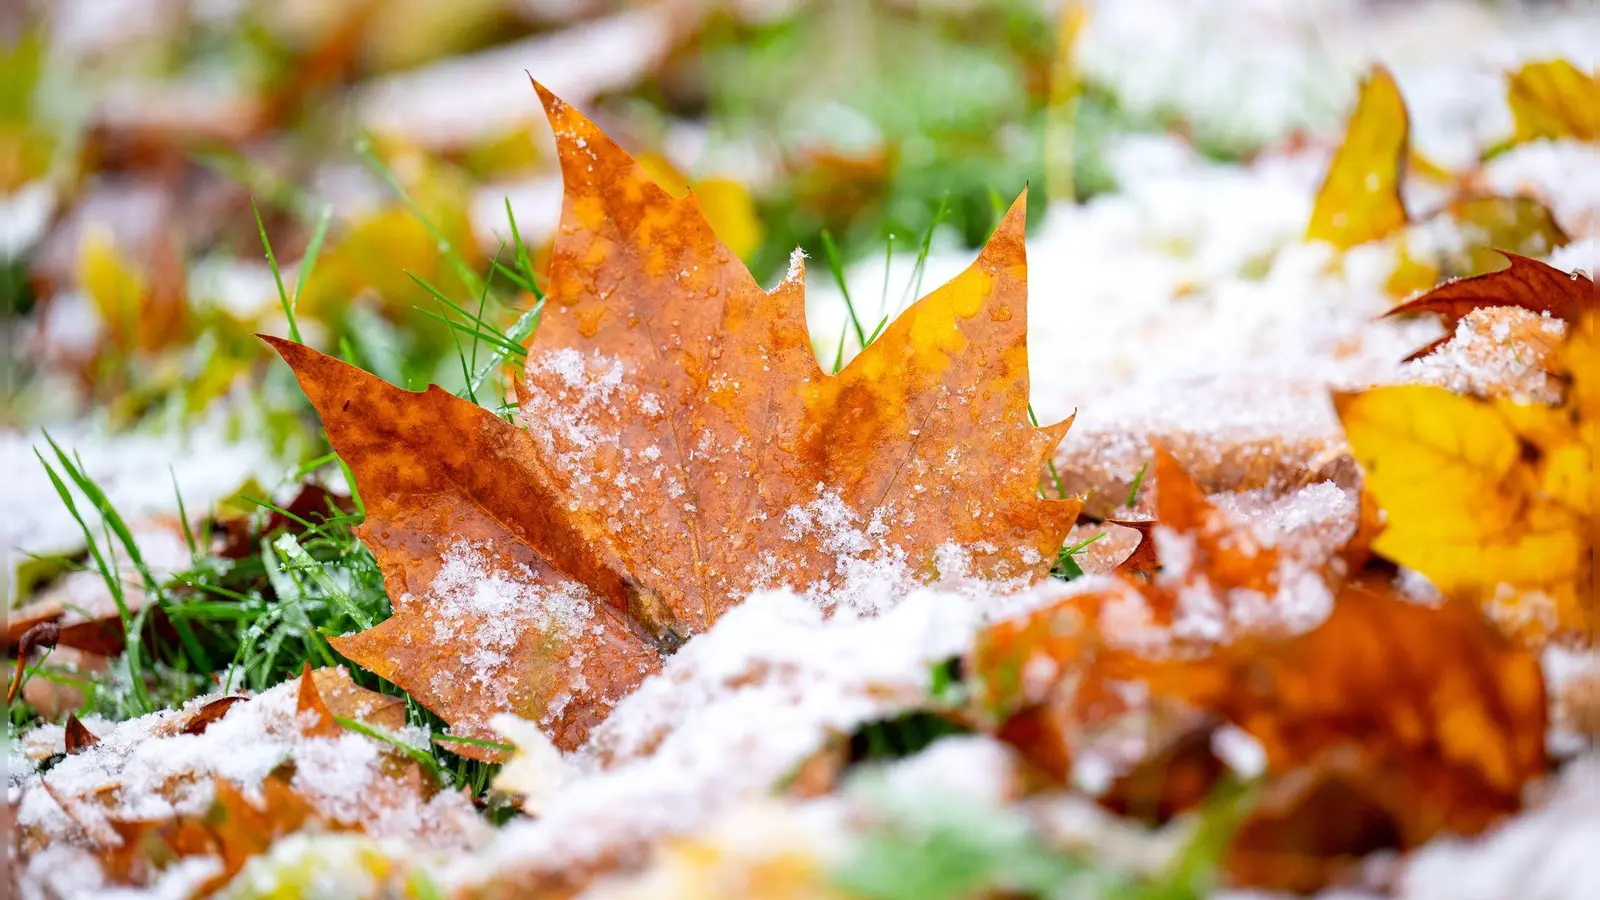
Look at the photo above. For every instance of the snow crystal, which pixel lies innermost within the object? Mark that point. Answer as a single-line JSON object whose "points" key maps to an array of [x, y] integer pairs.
{"points": [[1496, 352]]}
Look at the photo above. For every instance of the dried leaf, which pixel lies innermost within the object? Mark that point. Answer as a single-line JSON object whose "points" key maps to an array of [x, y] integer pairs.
{"points": [[311, 713], [1553, 99], [677, 447], [1527, 283], [37, 635], [78, 738], [1174, 779], [211, 712], [144, 306], [1426, 710], [233, 830], [1360, 200], [1143, 560], [154, 789], [1469, 236]]}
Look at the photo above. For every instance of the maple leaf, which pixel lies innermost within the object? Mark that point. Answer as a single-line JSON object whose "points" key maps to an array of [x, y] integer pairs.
{"points": [[1492, 500], [1360, 200], [1527, 284], [677, 446]]}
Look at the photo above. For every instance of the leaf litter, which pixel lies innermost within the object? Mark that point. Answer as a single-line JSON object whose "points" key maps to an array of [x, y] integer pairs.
{"points": [[1260, 566]]}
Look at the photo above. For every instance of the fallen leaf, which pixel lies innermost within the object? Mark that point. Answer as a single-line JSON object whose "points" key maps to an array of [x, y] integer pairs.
{"points": [[311, 712], [143, 304], [37, 635], [211, 712], [1176, 778], [1527, 284], [1469, 236], [1426, 710], [78, 738], [1492, 500], [1553, 99], [232, 831], [172, 784], [1360, 200], [677, 447]]}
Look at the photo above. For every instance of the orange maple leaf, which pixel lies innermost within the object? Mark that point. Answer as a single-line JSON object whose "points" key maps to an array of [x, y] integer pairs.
{"points": [[677, 446]]}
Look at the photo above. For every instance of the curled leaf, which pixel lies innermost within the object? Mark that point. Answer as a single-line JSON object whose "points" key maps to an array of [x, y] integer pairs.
{"points": [[211, 712], [1389, 723]]}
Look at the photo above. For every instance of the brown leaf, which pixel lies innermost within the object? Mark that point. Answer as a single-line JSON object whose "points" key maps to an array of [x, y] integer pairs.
{"points": [[1143, 560], [311, 712], [78, 738], [677, 446], [1175, 778], [344, 698], [233, 830], [1526, 283], [211, 712]]}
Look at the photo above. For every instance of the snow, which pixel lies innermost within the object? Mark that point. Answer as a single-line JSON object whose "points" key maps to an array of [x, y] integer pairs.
{"points": [[1497, 352], [148, 769], [727, 717], [484, 607]]}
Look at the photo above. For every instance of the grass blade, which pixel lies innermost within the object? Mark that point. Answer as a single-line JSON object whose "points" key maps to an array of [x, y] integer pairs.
{"points": [[830, 252], [309, 261], [277, 277]]}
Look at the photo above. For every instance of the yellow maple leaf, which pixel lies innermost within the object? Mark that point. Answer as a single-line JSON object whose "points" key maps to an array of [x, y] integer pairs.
{"points": [[1492, 500], [1359, 200]]}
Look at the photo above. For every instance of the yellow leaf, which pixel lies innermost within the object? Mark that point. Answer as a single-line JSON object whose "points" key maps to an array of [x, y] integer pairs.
{"points": [[1553, 99], [1483, 498], [731, 211], [113, 284], [1360, 197]]}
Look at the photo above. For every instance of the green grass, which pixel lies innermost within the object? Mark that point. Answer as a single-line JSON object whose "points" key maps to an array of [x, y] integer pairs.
{"points": [[243, 624]]}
